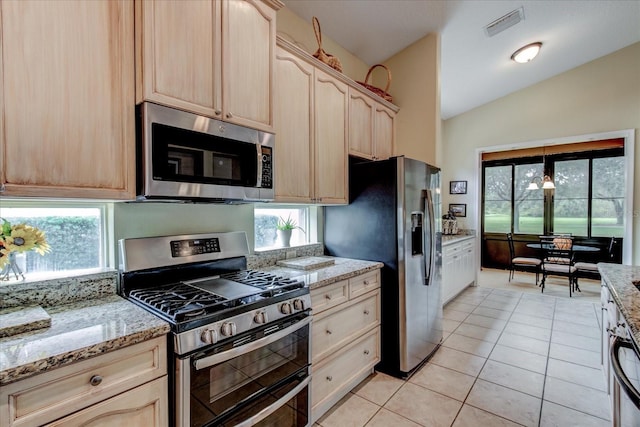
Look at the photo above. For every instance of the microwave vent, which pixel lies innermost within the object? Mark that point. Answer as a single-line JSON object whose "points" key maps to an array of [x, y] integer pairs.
{"points": [[504, 22]]}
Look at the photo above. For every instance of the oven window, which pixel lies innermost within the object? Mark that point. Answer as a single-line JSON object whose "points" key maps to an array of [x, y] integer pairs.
{"points": [[236, 389], [188, 156]]}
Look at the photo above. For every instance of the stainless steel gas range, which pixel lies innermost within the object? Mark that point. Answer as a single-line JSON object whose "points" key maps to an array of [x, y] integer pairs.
{"points": [[239, 351]]}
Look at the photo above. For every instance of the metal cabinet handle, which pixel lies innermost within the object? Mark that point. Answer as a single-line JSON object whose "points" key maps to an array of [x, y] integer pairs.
{"points": [[329, 332], [366, 282], [217, 112], [366, 312], [366, 352], [95, 380], [229, 115], [327, 296], [329, 378]]}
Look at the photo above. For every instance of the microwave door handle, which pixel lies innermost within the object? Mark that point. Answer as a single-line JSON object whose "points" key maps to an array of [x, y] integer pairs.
{"points": [[618, 372]]}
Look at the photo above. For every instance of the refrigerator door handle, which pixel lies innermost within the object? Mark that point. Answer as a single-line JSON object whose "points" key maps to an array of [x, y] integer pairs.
{"points": [[429, 252]]}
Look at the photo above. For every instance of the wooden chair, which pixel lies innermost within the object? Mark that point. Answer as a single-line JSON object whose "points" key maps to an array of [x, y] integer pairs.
{"points": [[558, 260], [589, 270], [531, 265]]}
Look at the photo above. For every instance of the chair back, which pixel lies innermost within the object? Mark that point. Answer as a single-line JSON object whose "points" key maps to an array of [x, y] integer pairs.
{"points": [[610, 248], [512, 251], [557, 249]]}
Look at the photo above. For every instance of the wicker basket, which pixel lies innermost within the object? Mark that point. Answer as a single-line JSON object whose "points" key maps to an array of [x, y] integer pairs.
{"points": [[381, 93], [323, 56]]}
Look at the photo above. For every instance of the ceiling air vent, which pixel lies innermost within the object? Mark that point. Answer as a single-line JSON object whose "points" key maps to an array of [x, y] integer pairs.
{"points": [[504, 22]]}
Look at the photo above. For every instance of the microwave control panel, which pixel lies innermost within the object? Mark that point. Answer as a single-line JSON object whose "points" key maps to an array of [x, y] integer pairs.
{"points": [[182, 248], [266, 180]]}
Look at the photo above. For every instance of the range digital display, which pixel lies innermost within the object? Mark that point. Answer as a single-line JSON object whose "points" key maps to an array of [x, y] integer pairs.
{"points": [[182, 248]]}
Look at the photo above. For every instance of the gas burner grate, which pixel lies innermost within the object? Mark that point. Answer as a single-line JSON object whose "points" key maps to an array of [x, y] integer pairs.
{"points": [[179, 301], [265, 281]]}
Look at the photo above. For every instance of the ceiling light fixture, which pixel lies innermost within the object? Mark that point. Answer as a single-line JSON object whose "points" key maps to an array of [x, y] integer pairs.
{"points": [[545, 180], [526, 53]]}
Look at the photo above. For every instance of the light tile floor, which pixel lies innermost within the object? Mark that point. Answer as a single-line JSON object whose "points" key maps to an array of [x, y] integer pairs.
{"points": [[509, 358]]}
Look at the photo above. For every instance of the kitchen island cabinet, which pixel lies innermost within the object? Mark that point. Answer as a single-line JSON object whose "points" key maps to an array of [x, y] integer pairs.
{"points": [[458, 265], [67, 99], [311, 128], [214, 58]]}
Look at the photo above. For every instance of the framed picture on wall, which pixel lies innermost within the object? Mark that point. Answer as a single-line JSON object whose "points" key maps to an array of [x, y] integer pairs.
{"points": [[457, 187], [459, 209]]}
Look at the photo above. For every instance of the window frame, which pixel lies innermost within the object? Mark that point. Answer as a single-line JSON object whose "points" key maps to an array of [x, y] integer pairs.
{"points": [[106, 224]]}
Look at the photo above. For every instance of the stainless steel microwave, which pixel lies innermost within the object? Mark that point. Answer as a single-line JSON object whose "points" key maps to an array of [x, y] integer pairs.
{"points": [[187, 157]]}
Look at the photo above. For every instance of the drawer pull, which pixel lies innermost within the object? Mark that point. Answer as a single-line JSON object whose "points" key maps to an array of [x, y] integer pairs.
{"points": [[329, 378], [366, 312], [327, 296], [366, 282], [95, 380], [366, 352], [328, 332]]}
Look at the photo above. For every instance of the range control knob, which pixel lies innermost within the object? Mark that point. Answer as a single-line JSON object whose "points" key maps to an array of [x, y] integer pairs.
{"points": [[298, 304], [260, 317], [228, 329], [285, 308], [209, 336]]}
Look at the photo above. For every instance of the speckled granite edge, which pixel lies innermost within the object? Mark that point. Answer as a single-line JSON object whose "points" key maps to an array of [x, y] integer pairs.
{"points": [[78, 331], [618, 279], [343, 268], [455, 238], [18, 320], [59, 291], [267, 258]]}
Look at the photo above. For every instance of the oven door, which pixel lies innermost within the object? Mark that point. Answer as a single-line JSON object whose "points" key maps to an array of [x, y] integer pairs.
{"points": [[261, 378]]}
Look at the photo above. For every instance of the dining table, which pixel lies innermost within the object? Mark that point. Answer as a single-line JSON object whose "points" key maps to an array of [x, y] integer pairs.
{"points": [[575, 248]]}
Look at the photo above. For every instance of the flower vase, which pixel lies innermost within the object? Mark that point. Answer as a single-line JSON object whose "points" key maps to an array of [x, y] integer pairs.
{"points": [[11, 267], [284, 238]]}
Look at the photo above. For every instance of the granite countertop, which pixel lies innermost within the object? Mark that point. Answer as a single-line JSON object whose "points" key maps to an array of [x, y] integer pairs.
{"points": [[448, 239], [343, 268], [618, 279], [78, 331]]}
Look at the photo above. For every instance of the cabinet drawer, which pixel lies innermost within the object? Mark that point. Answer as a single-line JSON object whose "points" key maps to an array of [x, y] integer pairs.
{"points": [[330, 377], [51, 395], [336, 328], [364, 283], [452, 250], [329, 296]]}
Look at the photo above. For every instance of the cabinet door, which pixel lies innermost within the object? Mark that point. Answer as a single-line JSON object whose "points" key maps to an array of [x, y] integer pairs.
{"points": [[146, 405], [384, 132], [361, 109], [294, 130], [68, 75], [248, 34], [330, 139], [180, 48]]}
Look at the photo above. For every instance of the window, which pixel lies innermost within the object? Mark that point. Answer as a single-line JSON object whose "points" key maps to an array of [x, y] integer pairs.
{"points": [[588, 200], [76, 233], [266, 219]]}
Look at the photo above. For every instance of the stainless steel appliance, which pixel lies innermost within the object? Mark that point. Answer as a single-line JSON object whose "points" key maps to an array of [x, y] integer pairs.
{"points": [[184, 156], [239, 350], [393, 217]]}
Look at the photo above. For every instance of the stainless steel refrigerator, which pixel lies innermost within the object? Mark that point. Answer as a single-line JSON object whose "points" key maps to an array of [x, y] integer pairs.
{"points": [[393, 217]]}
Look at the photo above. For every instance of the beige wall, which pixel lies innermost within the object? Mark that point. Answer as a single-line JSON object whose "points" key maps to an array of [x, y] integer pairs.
{"points": [[600, 96], [416, 90], [300, 32]]}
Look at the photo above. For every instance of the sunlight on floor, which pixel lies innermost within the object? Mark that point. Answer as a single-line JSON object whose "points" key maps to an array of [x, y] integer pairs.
{"points": [[526, 282]]}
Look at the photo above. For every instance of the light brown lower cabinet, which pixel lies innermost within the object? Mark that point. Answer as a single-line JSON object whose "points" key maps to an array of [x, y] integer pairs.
{"points": [[345, 338], [126, 387]]}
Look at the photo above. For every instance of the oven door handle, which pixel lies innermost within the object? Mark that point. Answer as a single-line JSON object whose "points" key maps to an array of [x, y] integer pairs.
{"points": [[274, 407], [618, 372], [214, 359]]}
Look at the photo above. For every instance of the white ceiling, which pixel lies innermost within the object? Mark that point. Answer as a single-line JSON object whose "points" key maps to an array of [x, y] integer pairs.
{"points": [[475, 68]]}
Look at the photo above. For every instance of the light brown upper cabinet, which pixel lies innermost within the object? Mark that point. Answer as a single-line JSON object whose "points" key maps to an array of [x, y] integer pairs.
{"points": [[67, 99], [213, 58], [371, 127], [311, 131]]}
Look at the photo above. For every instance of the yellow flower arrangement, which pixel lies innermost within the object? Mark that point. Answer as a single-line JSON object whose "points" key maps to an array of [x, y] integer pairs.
{"points": [[20, 238]]}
